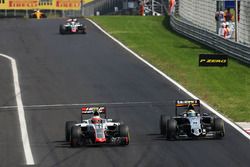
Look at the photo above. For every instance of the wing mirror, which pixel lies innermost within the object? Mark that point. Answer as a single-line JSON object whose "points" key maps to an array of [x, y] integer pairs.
{"points": [[109, 120], [205, 114]]}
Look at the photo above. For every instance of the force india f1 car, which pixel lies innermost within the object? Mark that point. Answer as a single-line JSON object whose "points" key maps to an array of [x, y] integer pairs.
{"points": [[96, 130], [72, 26], [190, 123]]}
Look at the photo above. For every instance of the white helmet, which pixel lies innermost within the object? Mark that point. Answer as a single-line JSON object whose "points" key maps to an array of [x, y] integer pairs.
{"points": [[191, 113]]}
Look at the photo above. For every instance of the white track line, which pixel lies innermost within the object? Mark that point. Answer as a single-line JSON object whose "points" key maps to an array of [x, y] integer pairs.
{"points": [[174, 82], [78, 104], [21, 114]]}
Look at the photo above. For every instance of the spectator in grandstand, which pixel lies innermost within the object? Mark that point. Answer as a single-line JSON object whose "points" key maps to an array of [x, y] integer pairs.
{"points": [[219, 17], [221, 29], [227, 33], [171, 7], [228, 16]]}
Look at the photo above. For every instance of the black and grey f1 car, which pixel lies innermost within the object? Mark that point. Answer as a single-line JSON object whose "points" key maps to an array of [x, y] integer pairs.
{"points": [[190, 123], [96, 130], [72, 26]]}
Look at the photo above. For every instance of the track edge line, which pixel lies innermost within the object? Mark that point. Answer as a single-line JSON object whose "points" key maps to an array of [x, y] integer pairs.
{"points": [[172, 81], [21, 115]]}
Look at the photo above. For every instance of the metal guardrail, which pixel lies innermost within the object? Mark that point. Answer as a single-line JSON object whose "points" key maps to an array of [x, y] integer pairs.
{"points": [[233, 49], [101, 7]]}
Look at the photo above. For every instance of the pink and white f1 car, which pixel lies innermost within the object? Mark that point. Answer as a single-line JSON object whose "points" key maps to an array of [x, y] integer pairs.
{"points": [[72, 26], [96, 130]]}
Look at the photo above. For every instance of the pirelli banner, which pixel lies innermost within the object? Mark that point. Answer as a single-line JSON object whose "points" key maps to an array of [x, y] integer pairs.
{"points": [[213, 60], [41, 4]]}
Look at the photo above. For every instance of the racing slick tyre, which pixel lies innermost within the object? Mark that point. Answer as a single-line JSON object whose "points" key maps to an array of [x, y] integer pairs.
{"points": [[124, 133], [171, 129], [219, 127], [68, 126], [212, 120], [163, 124], [84, 31], [75, 136], [61, 29]]}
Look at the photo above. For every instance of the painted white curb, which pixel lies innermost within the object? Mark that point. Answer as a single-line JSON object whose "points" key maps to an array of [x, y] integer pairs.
{"points": [[245, 126], [21, 114], [173, 81]]}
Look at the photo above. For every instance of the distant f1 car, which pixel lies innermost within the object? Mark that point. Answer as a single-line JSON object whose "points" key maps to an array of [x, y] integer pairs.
{"points": [[96, 130], [38, 14], [190, 123], [72, 26]]}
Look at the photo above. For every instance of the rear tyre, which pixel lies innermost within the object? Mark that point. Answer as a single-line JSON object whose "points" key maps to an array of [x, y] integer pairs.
{"points": [[68, 126], [219, 127], [163, 124], [75, 136], [171, 129], [124, 133]]}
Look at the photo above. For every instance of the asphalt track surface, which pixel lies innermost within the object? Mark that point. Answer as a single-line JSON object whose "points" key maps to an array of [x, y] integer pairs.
{"points": [[91, 68]]}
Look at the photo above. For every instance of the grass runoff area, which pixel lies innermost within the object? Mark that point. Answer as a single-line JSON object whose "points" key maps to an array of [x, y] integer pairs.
{"points": [[227, 89]]}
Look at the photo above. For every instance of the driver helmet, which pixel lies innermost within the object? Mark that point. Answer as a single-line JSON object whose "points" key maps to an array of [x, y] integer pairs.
{"points": [[96, 120], [190, 107], [95, 112], [191, 113]]}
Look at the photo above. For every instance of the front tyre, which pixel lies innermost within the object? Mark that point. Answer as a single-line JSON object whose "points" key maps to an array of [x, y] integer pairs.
{"points": [[84, 31], [61, 29], [171, 129], [163, 124], [124, 133], [76, 136], [219, 127], [68, 126]]}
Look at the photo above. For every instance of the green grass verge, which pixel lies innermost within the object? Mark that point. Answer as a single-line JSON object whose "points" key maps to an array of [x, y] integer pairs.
{"points": [[227, 89]]}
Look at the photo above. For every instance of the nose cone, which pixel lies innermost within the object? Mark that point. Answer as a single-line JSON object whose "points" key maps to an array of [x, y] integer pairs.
{"points": [[196, 132], [100, 140]]}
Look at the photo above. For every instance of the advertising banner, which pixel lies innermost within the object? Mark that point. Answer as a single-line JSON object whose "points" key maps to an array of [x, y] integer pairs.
{"points": [[66, 4], [23, 4], [213, 60], [38, 4]]}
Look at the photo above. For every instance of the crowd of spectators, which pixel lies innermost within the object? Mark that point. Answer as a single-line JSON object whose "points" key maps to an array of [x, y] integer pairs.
{"points": [[225, 23]]}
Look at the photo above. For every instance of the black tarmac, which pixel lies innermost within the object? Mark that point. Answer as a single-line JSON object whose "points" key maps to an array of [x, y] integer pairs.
{"points": [[56, 72]]}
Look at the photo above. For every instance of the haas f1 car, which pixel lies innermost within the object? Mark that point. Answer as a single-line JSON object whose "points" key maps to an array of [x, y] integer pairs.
{"points": [[96, 130], [72, 26], [190, 123]]}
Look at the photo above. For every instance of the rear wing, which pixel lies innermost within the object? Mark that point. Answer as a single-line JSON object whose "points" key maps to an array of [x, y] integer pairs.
{"points": [[91, 110], [186, 103]]}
